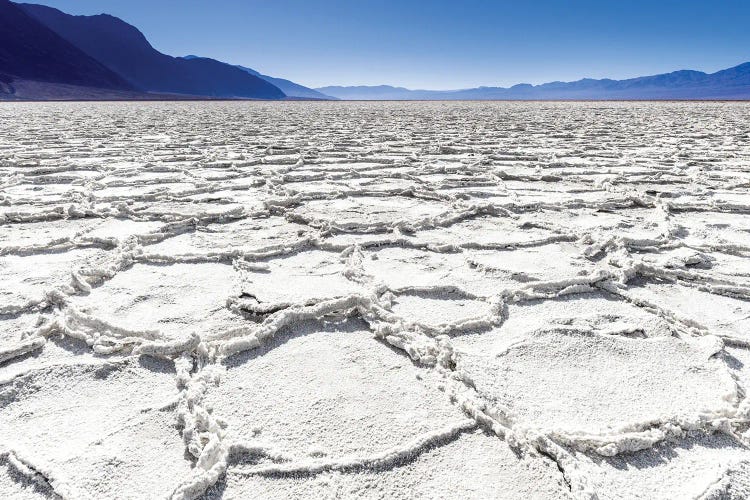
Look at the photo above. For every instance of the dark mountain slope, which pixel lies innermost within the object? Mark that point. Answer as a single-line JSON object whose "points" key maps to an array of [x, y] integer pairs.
{"points": [[122, 48], [31, 51], [290, 88]]}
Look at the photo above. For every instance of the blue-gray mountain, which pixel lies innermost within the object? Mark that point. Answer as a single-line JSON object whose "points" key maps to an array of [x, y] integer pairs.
{"points": [[48, 54], [124, 50], [732, 83], [31, 51], [290, 88]]}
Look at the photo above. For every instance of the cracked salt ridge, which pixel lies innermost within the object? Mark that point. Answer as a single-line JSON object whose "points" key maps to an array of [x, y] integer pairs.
{"points": [[617, 271], [597, 311], [308, 277], [88, 428], [156, 298], [714, 231], [718, 314], [26, 278], [228, 237], [698, 466], [349, 384], [350, 381], [689, 391], [19, 482], [474, 464]]}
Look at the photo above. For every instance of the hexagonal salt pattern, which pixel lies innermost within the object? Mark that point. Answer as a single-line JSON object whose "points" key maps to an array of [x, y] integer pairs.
{"points": [[374, 300]]}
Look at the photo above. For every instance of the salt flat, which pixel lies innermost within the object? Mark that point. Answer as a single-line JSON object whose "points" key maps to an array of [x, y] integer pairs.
{"points": [[375, 300]]}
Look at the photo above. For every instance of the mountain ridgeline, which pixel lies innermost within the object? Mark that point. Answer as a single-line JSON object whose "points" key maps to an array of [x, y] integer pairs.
{"points": [[124, 50], [29, 50], [732, 83], [48, 54], [290, 88]]}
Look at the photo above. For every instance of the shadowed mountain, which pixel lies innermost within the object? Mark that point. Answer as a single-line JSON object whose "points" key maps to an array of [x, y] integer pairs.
{"points": [[290, 88], [732, 83], [30, 51], [42, 47], [123, 49]]}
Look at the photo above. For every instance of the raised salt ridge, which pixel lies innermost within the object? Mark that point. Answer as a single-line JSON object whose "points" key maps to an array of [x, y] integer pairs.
{"points": [[375, 300]]}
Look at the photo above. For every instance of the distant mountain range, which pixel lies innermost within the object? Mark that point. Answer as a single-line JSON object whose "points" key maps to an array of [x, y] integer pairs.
{"points": [[48, 54], [732, 83]]}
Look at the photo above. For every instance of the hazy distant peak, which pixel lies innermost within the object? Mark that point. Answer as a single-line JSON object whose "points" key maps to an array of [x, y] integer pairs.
{"points": [[730, 83]]}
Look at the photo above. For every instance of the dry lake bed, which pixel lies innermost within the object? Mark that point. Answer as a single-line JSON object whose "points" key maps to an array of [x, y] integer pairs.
{"points": [[375, 300]]}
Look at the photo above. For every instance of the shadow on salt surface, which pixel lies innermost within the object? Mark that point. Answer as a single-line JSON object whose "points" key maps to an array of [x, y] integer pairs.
{"points": [[98, 429], [53, 237], [177, 211], [484, 231], [27, 197], [174, 299], [738, 360], [15, 326], [381, 182], [636, 223], [113, 191], [42, 233], [57, 350], [599, 312], [705, 266], [25, 279], [710, 467], [731, 267], [248, 197], [714, 228], [329, 390], [307, 186], [439, 308], [121, 229], [407, 267], [475, 465], [552, 262], [15, 485], [719, 314], [365, 212], [470, 233], [575, 380], [301, 277], [525, 193], [246, 234]]}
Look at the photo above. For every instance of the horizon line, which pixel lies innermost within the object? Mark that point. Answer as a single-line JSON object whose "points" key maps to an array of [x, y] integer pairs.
{"points": [[396, 86]]}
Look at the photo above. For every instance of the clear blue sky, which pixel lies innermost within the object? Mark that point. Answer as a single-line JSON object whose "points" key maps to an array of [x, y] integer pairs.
{"points": [[443, 44]]}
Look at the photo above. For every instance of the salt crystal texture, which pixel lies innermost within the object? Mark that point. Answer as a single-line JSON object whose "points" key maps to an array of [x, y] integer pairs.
{"points": [[375, 300]]}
